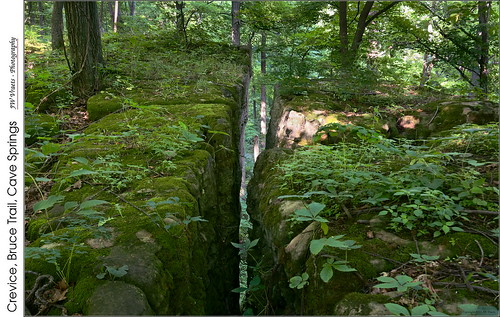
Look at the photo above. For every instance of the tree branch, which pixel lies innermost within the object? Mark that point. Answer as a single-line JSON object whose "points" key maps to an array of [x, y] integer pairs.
{"points": [[386, 8]]}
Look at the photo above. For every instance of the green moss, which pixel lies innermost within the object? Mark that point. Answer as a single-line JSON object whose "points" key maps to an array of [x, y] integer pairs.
{"points": [[79, 294], [36, 227], [103, 104], [361, 304], [462, 243]]}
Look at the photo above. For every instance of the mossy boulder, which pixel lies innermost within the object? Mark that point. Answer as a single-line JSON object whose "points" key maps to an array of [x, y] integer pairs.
{"points": [[165, 172], [283, 251], [295, 119], [103, 104], [118, 298]]}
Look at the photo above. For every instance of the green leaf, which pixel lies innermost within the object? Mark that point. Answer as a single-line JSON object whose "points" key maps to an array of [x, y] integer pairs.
{"points": [[50, 148], [326, 273], [253, 243], [117, 272], [445, 229], [101, 275], [419, 310], [239, 290], [386, 279], [218, 132], [47, 203], [42, 179], [316, 208], [81, 160], [255, 281], [92, 203], [397, 310], [81, 172], [386, 285], [343, 267], [324, 227], [88, 212], [436, 313], [317, 245], [402, 279], [295, 281], [70, 205]]}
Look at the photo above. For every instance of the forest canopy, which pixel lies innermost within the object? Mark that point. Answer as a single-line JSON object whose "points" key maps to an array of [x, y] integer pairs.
{"points": [[448, 46]]}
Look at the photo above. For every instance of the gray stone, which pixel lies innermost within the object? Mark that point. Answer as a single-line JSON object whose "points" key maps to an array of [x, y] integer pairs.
{"points": [[118, 299]]}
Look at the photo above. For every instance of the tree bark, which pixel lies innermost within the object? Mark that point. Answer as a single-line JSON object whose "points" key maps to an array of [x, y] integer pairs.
{"points": [[484, 8], [348, 53], [235, 22], [426, 69], [30, 14], [41, 20], [131, 5], [263, 104], [361, 27], [256, 149], [180, 19], [57, 28], [343, 29], [85, 46], [116, 14]]}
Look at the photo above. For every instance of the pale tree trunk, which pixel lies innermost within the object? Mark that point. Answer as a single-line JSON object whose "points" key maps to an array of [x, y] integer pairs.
{"points": [[116, 13], [263, 104], [85, 46], [428, 59], [57, 28], [426, 69], [256, 149], [235, 22]]}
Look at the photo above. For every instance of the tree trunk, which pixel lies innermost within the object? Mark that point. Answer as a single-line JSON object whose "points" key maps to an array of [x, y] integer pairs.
{"points": [[116, 14], [235, 22], [180, 20], [349, 54], [131, 6], [263, 104], [484, 8], [344, 44], [57, 26], [102, 25], [256, 149], [426, 69], [41, 20], [85, 46], [255, 118], [30, 13]]}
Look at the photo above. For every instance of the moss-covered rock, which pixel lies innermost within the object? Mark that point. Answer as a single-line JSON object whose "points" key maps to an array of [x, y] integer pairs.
{"points": [[295, 119], [118, 298], [168, 169], [362, 304]]}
